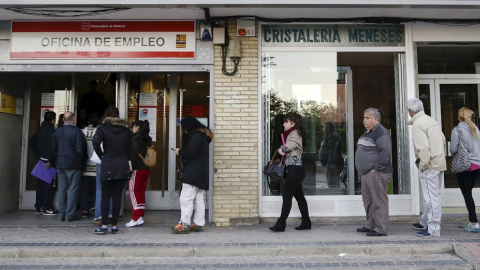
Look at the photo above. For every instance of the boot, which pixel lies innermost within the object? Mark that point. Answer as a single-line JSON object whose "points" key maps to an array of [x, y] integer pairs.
{"points": [[305, 225], [279, 226]]}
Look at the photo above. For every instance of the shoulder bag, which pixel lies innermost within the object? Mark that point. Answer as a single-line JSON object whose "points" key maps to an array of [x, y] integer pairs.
{"points": [[150, 158], [275, 167], [460, 162]]}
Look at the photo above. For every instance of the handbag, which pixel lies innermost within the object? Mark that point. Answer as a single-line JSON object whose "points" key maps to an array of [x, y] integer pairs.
{"points": [[460, 162], [180, 171], [95, 157], [275, 167]]}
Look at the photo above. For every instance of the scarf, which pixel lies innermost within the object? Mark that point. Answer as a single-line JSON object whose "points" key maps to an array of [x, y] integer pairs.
{"points": [[287, 132]]}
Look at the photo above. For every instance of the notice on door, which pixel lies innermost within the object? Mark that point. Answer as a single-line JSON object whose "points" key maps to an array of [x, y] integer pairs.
{"points": [[47, 104], [147, 110], [103, 39], [9, 104]]}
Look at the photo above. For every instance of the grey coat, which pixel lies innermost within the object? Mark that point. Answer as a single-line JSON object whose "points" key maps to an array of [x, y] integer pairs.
{"points": [[473, 145]]}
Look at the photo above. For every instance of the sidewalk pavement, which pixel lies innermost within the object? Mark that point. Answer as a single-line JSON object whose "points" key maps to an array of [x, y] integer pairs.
{"points": [[26, 235]]}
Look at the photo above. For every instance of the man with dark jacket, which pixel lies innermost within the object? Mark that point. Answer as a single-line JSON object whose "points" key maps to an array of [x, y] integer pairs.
{"points": [[70, 147], [41, 144]]}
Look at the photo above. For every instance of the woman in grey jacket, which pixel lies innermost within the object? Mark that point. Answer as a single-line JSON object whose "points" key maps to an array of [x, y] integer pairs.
{"points": [[467, 179], [295, 137]]}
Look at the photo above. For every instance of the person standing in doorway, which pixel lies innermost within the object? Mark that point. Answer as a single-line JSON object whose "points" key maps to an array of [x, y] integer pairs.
{"points": [[373, 163], [467, 179], [116, 157], [195, 176], [429, 144], [70, 148], [89, 171], [137, 184], [295, 139], [93, 101], [41, 144]]}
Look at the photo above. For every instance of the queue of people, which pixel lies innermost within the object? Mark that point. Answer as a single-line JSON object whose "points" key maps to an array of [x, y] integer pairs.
{"points": [[120, 152]]}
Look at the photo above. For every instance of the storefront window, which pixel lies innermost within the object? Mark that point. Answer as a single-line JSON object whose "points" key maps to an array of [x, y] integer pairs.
{"points": [[330, 90], [448, 59]]}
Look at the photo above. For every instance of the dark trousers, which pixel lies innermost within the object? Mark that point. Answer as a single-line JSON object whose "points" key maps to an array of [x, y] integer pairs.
{"points": [[44, 195], [86, 185], [112, 189], [293, 188], [466, 182]]}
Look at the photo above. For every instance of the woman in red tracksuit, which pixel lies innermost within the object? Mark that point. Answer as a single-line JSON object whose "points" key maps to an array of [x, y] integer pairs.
{"points": [[138, 180]]}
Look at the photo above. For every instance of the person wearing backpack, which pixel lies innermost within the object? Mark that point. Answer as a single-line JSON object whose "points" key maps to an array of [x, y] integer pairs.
{"points": [[138, 180]]}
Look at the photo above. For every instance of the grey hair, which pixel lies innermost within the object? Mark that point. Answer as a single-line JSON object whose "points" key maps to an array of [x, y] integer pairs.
{"points": [[415, 105], [375, 113], [68, 117]]}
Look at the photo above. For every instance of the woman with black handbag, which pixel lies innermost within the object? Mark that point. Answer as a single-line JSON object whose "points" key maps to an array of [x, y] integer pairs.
{"points": [[468, 132], [295, 138]]}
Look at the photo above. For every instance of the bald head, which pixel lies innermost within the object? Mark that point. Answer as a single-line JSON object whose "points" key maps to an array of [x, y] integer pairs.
{"points": [[69, 117]]}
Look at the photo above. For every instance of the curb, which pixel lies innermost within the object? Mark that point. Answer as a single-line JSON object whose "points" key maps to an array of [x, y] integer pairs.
{"points": [[202, 252], [463, 253]]}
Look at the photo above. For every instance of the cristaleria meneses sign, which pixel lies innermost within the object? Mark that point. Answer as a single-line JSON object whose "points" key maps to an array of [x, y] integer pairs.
{"points": [[103, 39], [314, 35]]}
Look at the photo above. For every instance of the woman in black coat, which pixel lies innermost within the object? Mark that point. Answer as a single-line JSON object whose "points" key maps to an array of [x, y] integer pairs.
{"points": [[116, 166], [195, 175]]}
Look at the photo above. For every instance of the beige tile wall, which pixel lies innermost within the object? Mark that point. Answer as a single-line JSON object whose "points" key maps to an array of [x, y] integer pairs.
{"points": [[235, 193]]}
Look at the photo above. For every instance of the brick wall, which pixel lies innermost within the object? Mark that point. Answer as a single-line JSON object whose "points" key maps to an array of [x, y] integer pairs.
{"points": [[235, 193]]}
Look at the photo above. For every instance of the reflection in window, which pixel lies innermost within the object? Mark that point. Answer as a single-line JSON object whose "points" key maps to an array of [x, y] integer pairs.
{"points": [[319, 85]]}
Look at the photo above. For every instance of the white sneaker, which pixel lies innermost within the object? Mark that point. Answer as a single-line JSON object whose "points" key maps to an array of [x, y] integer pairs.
{"points": [[133, 223]]}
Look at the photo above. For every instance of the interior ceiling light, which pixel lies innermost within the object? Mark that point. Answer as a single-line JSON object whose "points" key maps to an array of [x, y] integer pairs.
{"points": [[199, 81], [65, 12]]}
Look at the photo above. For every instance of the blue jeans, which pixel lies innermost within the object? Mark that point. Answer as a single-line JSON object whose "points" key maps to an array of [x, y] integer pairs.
{"points": [[98, 198], [68, 181], [84, 194]]}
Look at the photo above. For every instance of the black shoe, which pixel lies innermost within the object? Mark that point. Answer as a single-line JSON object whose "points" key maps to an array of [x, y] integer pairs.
{"points": [[39, 211], [101, 230], [305, 225], [363, 229], [279, 226], [418, 226], [375, 233], [85, 214], [72, 219], [115, 230], [51, 212]]}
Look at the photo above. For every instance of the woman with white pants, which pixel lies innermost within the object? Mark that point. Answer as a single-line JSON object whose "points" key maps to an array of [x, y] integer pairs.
{"points": [[195, 175]]}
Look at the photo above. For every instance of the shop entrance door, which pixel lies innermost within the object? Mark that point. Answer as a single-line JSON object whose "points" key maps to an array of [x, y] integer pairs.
{"points": [[174, 95], [442, 98]]}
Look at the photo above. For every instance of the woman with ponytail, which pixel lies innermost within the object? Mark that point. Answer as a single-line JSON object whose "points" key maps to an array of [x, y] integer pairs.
{"points": [[295, 139], [467, 179], [137, 184]]}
